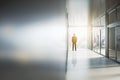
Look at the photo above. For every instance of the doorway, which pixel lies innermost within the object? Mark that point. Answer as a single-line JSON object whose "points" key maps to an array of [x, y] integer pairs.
{"points": [[81, 33]]}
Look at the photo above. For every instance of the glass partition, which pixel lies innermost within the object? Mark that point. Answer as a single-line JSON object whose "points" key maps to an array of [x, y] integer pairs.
{"points": [[96, 40], [118, 43], [112, 48], [103, 41]]}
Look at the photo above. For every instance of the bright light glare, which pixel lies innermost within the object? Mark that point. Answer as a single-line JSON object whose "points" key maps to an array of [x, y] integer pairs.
{"points": [[78, 12], [81, 33], [37, 41]]}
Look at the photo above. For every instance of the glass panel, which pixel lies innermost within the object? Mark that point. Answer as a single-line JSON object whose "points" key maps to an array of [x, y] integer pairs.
{"points": [[94, 41], [118, 13], [96, 38], [103, 41], [112, 17], [118, 43], [112, 52]]}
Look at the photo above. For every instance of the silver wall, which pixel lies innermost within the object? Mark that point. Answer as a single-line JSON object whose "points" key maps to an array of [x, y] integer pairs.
{"points": [[33, 39]]}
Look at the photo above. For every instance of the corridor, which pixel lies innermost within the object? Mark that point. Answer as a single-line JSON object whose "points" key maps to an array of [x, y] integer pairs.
{"points": [[36, 39], [87, 65]]}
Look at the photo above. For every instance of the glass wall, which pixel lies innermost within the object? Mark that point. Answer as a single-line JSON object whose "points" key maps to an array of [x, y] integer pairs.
{"points": [[118, 35], [103, 22], [112, 48], [96, 39], [103, 41], [114, 43], [118, 43]]}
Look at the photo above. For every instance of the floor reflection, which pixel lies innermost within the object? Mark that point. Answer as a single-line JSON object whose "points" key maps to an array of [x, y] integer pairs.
{"points": [[84, 64], [74, 59]]}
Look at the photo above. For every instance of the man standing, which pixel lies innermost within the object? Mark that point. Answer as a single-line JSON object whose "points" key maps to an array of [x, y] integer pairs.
{"points": [[74, 41]]}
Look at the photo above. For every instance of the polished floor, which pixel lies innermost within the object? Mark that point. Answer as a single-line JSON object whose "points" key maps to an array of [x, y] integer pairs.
{"points": [[87, 65]]}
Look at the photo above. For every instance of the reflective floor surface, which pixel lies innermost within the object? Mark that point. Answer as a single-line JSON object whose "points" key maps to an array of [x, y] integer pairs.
{"points": [[87, 65]]}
